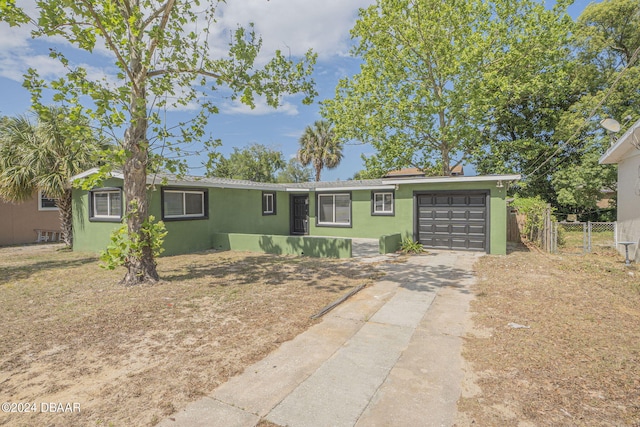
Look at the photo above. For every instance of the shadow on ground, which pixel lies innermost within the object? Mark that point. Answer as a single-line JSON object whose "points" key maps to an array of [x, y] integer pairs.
{"points": [[423, 273], [24, 271], [271, 270]]}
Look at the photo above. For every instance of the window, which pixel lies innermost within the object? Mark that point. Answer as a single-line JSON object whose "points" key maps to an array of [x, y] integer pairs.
{"points": [[268, 203], [46, 203], [382, 203], [105, 204], [184, 204], [334, 209]]}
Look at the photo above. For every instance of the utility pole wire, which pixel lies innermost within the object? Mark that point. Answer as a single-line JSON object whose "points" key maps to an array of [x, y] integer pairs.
{"points": [[591, 114]]}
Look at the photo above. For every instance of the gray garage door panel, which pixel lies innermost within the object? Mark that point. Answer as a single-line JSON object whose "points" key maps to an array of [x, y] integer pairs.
{"points": [[452, 220]]}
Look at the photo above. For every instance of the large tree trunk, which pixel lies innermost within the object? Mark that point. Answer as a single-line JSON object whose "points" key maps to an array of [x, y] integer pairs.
{"points": [[141, 268], [66, 218]]}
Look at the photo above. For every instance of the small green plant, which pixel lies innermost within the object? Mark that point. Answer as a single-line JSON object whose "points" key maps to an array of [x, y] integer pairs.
{"points": [[410, 246], [122, 248], [535, 210]]}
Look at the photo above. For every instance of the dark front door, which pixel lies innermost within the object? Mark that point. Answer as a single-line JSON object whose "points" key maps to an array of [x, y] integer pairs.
{"points": [[300, 214]]}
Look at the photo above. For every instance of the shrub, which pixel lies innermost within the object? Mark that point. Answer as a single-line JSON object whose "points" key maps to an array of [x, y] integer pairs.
{"points": [[410, 246], [122, 248], [533, 208]]}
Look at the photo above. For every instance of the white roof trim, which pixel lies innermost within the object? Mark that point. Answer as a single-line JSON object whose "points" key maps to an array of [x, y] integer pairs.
{"points": [[448, 179], [384, 184], [93, 171], [623, 145], [210, 185], [364, 187], [239, 186]]}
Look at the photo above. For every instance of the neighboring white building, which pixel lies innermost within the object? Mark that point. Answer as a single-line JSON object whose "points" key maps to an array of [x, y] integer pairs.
{"points": [[626, 153]]}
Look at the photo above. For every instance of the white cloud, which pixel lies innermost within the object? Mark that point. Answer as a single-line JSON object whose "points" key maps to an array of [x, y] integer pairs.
{"points": [[13, 38], [14, 66], [261, 108], [296, 25]]}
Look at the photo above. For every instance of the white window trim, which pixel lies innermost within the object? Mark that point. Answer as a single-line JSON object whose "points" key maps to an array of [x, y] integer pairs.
{"points": [[333, 196], [109, 192], [184, 204], [265, 200], [41, 195], [375, 205]]}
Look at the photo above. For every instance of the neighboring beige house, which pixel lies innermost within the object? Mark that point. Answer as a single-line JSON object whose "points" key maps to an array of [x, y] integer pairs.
{"points": [[626, 153], [35, 220], [607, 199]]}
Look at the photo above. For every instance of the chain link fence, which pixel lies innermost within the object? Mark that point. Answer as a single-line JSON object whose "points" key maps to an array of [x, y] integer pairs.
{"points": [[583, 237]]}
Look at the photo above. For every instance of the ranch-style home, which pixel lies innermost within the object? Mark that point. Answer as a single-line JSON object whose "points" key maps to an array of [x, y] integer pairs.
{"points": [[313, 218], [626, 153]]}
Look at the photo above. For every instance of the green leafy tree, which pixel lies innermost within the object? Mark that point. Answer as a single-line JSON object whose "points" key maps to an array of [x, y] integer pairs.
{"points": [[551, 134], [607, 44], [320, 147], [368, 174], [294, 172], [254, 163], [580, 187], [163, 57], [43, 156], [433, 72]]}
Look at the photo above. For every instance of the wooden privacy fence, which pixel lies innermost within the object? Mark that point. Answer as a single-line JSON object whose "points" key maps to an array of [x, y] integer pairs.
{"points": [[514, 221], [539, 232]]}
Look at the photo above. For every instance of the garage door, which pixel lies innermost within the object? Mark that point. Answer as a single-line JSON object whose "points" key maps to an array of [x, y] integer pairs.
{"points": [[452, 220]]}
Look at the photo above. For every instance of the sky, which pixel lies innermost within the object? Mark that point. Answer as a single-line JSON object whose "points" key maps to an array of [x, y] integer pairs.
{"points": [[288, 25]]}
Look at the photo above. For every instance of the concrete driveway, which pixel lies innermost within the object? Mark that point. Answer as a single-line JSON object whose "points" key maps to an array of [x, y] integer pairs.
{"points": [[390, 355]]}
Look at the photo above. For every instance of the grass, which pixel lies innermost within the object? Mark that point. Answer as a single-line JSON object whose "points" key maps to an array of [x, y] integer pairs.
{"points": [[573, 239], [132, 356], [577, 365]]}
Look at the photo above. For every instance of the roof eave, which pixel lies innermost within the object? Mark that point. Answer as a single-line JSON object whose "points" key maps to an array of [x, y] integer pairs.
{"points": [[449, 179], [354, 188], [93, 171], [623, 145], [383, 184]]}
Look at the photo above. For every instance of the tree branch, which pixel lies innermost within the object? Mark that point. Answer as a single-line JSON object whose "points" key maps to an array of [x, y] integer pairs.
{"points": [[156, 73], [125, 8], [156, 14], [110, 42], [167, 7]]}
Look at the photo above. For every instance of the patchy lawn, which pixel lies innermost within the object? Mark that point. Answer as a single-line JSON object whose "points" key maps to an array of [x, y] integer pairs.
{"points": [[577, 363], [132, 356]]}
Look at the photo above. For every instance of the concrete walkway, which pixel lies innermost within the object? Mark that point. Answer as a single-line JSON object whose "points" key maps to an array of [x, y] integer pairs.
{"points": [[390, 355]]}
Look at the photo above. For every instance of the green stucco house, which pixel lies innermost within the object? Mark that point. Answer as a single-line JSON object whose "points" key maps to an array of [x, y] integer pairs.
{"points": [[313, 218]]}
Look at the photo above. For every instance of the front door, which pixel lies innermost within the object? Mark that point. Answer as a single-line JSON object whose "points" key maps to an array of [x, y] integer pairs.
{"points": [[300, 214]]}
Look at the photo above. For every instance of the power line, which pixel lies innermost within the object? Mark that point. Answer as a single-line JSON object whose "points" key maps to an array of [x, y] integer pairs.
{"points": [[592, 113]]}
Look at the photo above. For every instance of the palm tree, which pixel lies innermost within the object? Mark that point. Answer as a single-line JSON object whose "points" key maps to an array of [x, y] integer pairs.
{"points": [[44, 156], [320, 147]]}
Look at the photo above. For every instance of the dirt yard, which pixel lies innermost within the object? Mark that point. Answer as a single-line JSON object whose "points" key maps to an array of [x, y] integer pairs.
{"points": [[571, 356], [72, 338]]}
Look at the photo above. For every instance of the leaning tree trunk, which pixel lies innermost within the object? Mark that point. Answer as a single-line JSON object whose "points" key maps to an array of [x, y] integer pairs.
{"points": [[66, 218], [141, 267]]}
